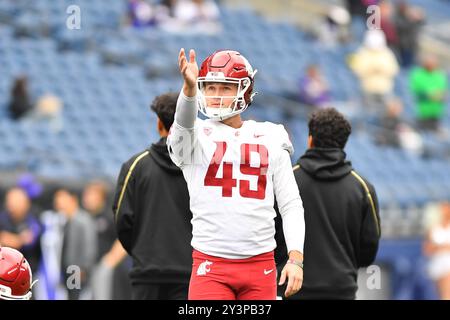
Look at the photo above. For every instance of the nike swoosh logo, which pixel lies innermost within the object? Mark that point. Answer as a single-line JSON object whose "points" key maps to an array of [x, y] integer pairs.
{"points": [[258, 135], [266, 272]]}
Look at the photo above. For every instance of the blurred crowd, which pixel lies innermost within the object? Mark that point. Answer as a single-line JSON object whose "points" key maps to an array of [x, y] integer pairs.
{"points": [[180, 16], [70, 245], [386, 51], [46, 108]]}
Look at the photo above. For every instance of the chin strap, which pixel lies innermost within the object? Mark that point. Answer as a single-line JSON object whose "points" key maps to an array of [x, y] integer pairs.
{"points": [[33, 283]]}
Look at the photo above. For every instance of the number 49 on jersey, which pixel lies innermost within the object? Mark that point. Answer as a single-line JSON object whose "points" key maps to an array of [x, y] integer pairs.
{"points": [[227, 182]]}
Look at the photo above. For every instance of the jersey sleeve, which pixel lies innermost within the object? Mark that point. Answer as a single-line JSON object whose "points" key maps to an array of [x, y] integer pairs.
{"points": [[289, 202], [182, 140], [181, 143], [286, 143]]}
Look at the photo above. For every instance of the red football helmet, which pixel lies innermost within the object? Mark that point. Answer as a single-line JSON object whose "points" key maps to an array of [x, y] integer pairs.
{"points": [[15, 275], [226, 66]]}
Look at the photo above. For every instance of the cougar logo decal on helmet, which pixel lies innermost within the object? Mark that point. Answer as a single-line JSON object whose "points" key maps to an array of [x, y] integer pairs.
{"points": [[226, 67], [15, 275]]}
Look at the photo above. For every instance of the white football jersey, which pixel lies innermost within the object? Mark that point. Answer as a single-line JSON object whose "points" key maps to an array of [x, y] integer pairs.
{"points": [[232, 176]]}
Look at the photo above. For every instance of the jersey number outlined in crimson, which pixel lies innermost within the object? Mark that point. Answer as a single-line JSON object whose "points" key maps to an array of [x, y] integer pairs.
{"points": [[227, 182]]}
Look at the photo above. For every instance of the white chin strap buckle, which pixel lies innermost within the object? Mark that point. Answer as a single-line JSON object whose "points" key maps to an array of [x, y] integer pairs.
{"points": [[219, 113]]}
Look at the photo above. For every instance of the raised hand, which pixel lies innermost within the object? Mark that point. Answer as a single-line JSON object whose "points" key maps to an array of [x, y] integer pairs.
{"points": [[189, 71]]}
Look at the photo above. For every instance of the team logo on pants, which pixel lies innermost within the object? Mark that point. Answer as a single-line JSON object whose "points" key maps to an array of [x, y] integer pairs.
{"points": [[204, 268]]}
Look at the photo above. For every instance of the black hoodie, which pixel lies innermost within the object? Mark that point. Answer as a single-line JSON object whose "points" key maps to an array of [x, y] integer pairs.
{"points": [[152, 215], [342, 225]]}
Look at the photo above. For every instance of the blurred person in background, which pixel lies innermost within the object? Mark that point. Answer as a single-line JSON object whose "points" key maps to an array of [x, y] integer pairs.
{"points": [[141, 13], [429, 86], [49, 108], [359, 7], [198, 16], [110, 252], [94, 201], [395, 132], [437, 248], [314, 89], [169, 6], [376, 67], [335, 27], [79, 247], [33, 188], [19, 228], [165, 14], [20, 103], [409, 21], [51, 283], [390, 123], [151, 208], [388, 26]]}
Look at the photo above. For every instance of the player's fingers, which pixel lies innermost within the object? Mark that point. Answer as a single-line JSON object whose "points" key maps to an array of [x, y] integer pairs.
{"points": [[282, 277], [183, 69], [181, 65], [181, 58], [192, 56], [296, 286], [290, 290], [289, 287], [300, 283], [182, 54]]}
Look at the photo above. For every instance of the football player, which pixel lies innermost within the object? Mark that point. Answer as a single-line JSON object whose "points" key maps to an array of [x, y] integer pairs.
{"points": [[234, 170]]}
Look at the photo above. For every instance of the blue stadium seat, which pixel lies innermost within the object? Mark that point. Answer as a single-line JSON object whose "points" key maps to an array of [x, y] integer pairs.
{"points": [[106, 107]]}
